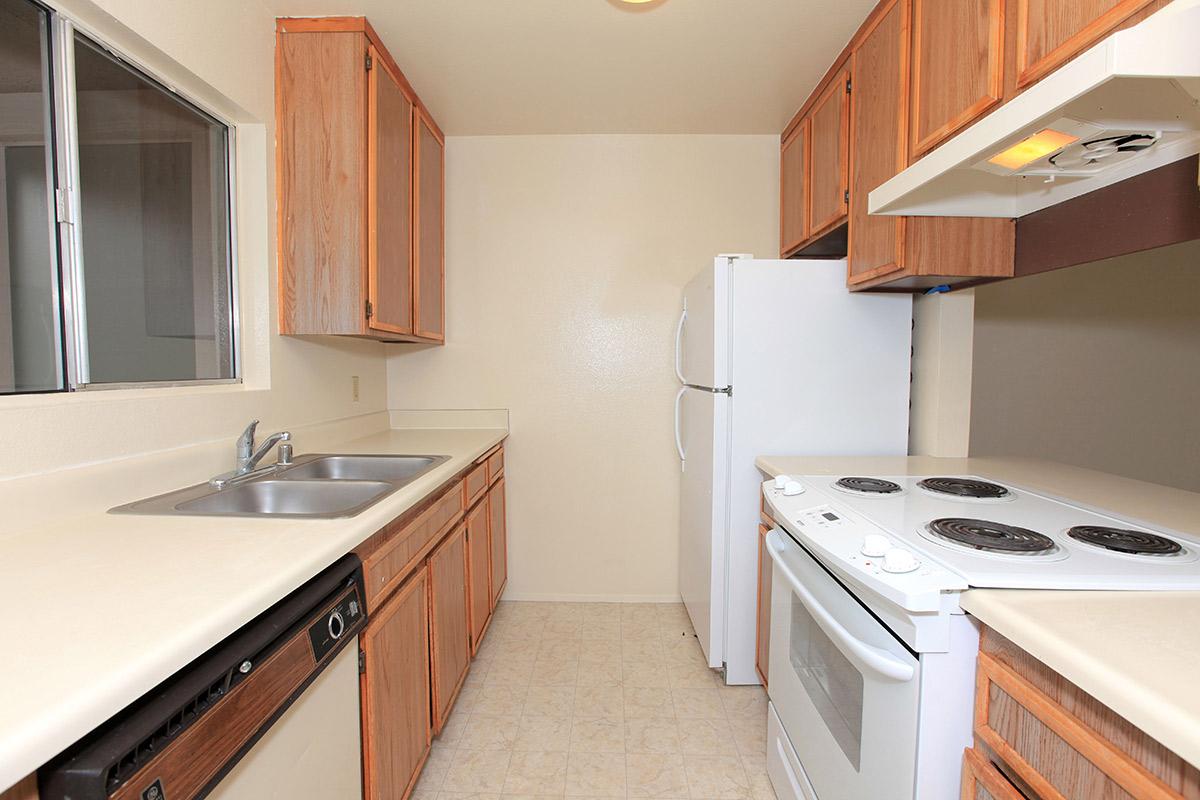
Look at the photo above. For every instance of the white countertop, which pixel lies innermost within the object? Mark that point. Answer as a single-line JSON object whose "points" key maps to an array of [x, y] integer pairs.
{"points": [[109, 606], [1132, 651]]}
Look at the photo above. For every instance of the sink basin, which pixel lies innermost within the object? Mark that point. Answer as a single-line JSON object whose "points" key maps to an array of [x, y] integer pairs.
{"points": [[290, 498], [396, 469], [316, 486]]}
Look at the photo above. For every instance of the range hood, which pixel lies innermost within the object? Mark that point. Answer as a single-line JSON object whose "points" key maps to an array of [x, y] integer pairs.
{"points": [[1128, 105]]}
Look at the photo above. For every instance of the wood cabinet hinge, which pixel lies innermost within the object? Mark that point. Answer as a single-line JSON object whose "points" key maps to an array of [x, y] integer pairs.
{"points": [[846, 196], [370, 62], [847, 84], [362, 662], [370, 310]]}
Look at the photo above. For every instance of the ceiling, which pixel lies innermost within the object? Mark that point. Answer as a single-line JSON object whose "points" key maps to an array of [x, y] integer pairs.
{"points": [[600, 66]]}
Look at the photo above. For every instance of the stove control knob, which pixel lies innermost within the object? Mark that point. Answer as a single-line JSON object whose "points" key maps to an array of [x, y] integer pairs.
{"points": [[792, 488], [781, 481], [898, 560], [875, 546]]}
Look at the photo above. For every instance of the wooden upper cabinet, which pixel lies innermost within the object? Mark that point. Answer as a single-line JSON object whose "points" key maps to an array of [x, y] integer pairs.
{"points": [[1049, 33], [878, 131], [389, 200], [829, 156], [449, 622], [957, 66], [357, 153], [793, 189], [396, 691], [430, 215], [498, 533]]}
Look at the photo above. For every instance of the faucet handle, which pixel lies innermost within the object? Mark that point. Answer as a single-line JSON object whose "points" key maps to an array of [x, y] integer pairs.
{"points": [[245, 442]]}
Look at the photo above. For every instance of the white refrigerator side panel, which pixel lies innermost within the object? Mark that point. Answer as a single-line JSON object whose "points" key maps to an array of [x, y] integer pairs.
{"points": [[816, 370], [704, 492], [705, 334]]}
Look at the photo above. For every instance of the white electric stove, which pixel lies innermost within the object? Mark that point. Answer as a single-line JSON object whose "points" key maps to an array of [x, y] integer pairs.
{"points": [[871, 655]]}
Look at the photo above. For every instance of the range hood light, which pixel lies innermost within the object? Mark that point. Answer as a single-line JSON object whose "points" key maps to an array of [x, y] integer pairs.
{"points": [[1026, 151]]}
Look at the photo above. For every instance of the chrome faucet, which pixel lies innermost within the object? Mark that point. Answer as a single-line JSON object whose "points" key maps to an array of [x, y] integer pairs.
{"points": [[248, 457]]}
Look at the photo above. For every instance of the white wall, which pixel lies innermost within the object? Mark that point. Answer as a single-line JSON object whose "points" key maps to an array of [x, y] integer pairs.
{"points": [[1096, 365], [566, 257], [229, 45]]}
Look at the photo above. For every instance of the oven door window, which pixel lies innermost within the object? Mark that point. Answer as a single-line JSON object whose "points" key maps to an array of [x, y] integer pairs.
{"points": [[833, 684]]}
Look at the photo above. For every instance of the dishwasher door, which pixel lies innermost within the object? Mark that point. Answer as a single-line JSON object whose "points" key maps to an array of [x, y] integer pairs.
{"points": [[312, 751]]}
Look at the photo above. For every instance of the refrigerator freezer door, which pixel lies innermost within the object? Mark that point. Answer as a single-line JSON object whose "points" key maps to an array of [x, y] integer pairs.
{"points": [[704, 493], [704, 336]]}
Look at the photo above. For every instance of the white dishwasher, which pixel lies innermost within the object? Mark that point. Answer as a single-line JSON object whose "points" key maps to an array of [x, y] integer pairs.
{"points": [[272, 711]]}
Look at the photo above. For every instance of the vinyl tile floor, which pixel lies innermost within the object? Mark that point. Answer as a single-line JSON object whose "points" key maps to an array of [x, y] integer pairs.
{"points": [[598, 700]]}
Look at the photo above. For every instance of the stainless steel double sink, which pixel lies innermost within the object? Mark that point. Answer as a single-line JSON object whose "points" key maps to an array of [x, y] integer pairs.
{"points": [[314, 486]]}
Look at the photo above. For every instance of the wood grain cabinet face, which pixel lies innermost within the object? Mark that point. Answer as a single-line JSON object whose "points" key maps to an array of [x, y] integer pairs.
{"points": [[878, 132], [957, 66], [1061, 742], [449, 625], [429, 284], [389, 201], [982, 781], [1051, 32], [763, 635], [793, 189], [322, 181], [396, 691], [829, 156], [479, 559], [498, 531]]}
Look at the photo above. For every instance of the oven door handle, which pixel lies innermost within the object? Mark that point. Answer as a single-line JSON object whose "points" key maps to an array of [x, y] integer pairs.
{"points": [[864, 655]]}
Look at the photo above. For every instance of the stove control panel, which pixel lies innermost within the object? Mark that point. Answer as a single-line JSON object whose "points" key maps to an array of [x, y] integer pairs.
{"points": [[844, 540]]}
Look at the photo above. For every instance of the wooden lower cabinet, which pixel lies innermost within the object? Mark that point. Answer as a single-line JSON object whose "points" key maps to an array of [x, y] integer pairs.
{"points": [[449, 634], [982, 781], [479, 568], [762, 649], [1053, 741], [25, 789], [499, 538], [396, 722]]}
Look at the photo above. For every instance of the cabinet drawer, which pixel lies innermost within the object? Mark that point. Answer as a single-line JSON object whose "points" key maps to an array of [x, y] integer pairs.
{"points": [[475, 484], [1050, 748], [386, 568], [982, 781], [495, 465]]}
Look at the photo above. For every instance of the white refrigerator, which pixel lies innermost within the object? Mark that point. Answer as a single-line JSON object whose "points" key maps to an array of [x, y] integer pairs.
{"points": [[773, 357]]}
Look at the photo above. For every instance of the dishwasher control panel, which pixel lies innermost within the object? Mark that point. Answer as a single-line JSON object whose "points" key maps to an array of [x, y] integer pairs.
{"points": [[340, 622]]}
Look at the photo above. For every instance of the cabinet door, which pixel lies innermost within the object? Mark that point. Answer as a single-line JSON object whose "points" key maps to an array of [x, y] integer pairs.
{"points": [[321, 176], [448, 621], [389, 201], [879, 137], [957, 67], [479, 557], [499, 535], [1051, 32], [763, 634], [829, 161], [793, 189], [429, 285], [396, 691]]}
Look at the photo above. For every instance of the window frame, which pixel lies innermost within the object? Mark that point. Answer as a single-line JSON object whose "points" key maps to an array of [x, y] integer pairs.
{"points": [[64, 198]]}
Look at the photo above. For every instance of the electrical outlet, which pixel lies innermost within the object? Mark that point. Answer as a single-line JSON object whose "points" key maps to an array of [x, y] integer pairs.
{"points": [[354, 388]]}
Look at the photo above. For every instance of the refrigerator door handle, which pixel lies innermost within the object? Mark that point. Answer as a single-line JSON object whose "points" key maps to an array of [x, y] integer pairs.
{"points": [[679, 347], [678, 435]]}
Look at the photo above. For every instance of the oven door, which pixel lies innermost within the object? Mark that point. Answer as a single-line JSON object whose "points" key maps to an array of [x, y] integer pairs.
{"points": [[845, 689]]}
